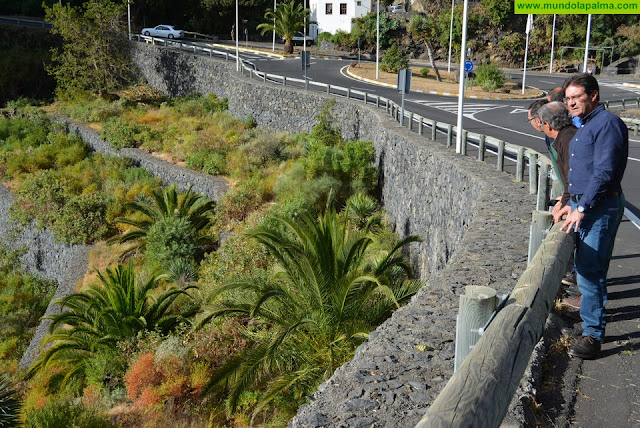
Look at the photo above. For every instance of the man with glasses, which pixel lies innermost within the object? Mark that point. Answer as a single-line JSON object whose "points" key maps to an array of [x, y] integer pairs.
{"points": [[597, 160]]}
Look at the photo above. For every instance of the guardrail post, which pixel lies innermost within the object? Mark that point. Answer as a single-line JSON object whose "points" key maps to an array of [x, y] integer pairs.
{"points": [[366, 96], [481, 147], [386, 107], [500, 161], [475, 309], [533, 173], [264, 77], [226, 56], [623, 106], [449, 135], [635, 129], [306, 84], [328, 89], [465, 136], [420, 124], [377, 101], [195, 49], [284, 81], [541, 222], [348, 93], [520, 165], [638, 102], [543, 188], [434, 130], [410, 120]]}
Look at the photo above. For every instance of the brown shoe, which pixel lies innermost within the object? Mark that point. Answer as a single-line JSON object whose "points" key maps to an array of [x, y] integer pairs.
{"points": [[573, 302], [572, 331], [585, 347]]}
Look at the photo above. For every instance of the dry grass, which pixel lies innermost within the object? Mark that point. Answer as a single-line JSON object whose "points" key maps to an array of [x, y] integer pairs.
{"points": [[101, 257], [449, 85]]}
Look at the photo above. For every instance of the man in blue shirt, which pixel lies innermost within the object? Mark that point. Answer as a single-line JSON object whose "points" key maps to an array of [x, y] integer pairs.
{"points": [[597, 160]]}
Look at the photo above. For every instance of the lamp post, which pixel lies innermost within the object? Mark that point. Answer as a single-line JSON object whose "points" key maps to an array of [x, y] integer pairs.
{"points": [[377, 38], [128, 16], [586, 49], [463, 49], [526, 49], [450, 35], [274, 26], [237, 36], [553, 43]]}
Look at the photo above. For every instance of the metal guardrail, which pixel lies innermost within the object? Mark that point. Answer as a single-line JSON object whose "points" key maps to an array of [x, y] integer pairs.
{"points": [[25, 22]]}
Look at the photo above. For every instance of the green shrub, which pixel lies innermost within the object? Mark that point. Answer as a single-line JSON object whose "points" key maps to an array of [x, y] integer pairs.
{"points": [[61, 413], [171, 238], [83, 219], [208, 162], [325, 36], [394, 59], [489, 76], [121, 134], [424, 72]]}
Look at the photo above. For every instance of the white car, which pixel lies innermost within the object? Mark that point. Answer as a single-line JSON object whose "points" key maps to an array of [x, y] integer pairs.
{"points": [[167, 31], [299, 39], [398, 8]]}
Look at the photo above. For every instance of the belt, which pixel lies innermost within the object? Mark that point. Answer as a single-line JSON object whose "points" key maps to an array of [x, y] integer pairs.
{"points": [[603, 195]]}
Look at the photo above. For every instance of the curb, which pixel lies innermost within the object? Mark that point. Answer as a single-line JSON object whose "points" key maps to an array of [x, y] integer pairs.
{"points": [[446, 94], [631, 85], [270, 53]]}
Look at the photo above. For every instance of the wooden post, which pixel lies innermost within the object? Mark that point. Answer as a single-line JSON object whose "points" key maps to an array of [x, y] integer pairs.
{"points": [[479, 393], [449, 135], [520, 165], [500, 161], [541, 222], [533, 173], [476, 306], [481, 147]]}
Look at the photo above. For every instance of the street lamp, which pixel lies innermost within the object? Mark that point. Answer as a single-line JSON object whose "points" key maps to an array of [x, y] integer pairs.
{"points": [[128, 16], [237, 45], [586, 49], [273, 48], [463, 48], [377, 37], [450, 35]]}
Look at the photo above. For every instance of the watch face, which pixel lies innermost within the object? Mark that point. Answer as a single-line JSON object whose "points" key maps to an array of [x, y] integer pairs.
{"points": [[580, 209]]}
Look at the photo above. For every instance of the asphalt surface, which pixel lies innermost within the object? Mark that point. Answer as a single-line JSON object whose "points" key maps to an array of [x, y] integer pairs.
{"points": [[599, 393]]}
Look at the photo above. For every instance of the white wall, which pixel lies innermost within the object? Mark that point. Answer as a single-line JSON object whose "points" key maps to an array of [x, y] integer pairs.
{"points": [[335, 21]]}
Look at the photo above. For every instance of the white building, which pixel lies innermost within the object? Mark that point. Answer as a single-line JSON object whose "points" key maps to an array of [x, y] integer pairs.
{"points": [[334, 15]]}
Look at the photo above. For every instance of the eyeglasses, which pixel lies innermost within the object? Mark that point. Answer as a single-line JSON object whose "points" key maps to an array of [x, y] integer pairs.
{"points": [[573, 98], [533, 118]]}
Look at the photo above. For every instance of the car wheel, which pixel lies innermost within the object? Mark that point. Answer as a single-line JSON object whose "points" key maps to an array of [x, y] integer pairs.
{"points": [[171, 36], [146, 33]]}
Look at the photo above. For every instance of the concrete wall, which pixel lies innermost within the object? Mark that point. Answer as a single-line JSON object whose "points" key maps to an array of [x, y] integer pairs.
{"points": [[474, 220]]}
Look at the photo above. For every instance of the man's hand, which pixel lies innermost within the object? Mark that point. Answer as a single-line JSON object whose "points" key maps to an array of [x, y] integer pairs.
{"points": [[560, 211], [573, 221]]}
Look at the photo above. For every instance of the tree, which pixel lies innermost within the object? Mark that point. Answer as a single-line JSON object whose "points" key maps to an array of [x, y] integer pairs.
{"points": [[95, 55], [286, 20], [95, 320], [173, 227], [424, 27], [331, 286]]}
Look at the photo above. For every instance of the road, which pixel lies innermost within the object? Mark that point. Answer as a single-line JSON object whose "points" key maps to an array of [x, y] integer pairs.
{"points": [[503, 119]]}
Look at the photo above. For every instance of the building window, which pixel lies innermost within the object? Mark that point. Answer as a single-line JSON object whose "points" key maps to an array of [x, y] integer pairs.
{"points": [[359, 3], [328, 8], [343, 8]]}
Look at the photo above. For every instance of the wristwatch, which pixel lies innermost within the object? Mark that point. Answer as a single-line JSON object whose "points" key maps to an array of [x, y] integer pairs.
{"points": [[580, 209]]}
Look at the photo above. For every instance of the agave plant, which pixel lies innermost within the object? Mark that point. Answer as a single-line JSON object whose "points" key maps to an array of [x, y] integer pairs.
{"points": [[96, 319], [9, 405], [327, 292]]}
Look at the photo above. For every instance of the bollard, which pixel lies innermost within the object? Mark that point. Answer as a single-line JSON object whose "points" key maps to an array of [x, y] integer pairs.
{"points": [[541, 222], [481, 147], [533, 173], [434, 129], [520, 166], [449, 135], [500, 161]]}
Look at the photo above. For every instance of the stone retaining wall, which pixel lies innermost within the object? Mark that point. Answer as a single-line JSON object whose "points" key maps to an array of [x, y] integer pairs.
{"points": [[475, 222]]}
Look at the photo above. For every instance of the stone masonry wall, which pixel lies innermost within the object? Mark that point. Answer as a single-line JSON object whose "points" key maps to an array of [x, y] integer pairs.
{"points": [[474, 221]]}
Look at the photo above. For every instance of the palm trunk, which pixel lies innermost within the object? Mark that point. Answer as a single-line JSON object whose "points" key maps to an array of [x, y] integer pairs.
{"points": [[431, 61], [288, 46]]}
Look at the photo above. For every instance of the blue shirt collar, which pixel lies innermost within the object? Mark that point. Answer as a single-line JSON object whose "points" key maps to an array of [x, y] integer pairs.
{"points": [[592, 114]]}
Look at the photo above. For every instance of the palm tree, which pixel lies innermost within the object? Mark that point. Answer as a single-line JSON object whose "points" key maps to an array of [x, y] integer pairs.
{"points": [[286, 20], [424, 27], [188, 213], [9, 404], [327, 292], [96, 319]]}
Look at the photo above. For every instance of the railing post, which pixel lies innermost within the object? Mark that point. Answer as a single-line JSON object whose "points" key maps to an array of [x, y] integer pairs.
{"points": [[638, 102], [434, 130], [533, 173], [500, 160], [520, 165], [410, 120], [481, 147], [449, 135], [543, 187], [623, 106], [635, 129], [366, 96], [386, 107], [284, 81], [541, 221], [264, 77], [328, 89], [420, 124], [465, 136], [348, 93], [377, 101]]}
